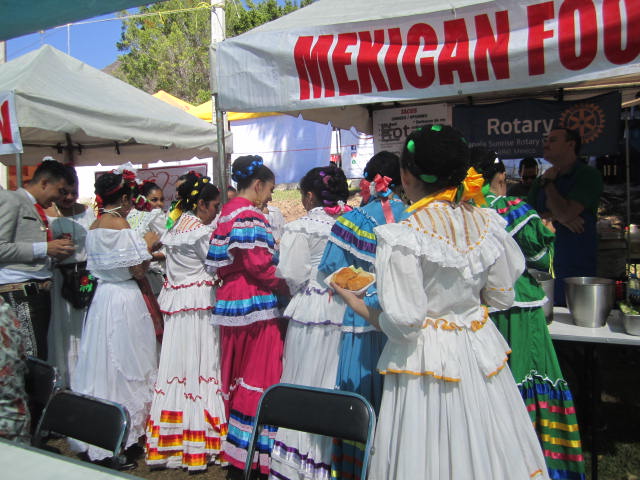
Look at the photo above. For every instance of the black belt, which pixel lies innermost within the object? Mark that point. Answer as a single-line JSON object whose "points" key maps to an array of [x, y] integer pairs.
{"points": [[30, 287]]}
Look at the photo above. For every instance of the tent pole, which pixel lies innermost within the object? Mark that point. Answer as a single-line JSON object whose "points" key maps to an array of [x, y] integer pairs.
{"points": [[19, 170], [222, 155], [628, 169], [218, 25], [68, 153]]}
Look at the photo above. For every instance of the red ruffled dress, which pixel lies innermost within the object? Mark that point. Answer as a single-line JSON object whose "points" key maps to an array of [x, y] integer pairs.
{"points": [[251, 331]]}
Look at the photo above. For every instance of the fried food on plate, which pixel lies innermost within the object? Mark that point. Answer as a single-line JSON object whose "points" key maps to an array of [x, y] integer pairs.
{"points": [[343, 276]]}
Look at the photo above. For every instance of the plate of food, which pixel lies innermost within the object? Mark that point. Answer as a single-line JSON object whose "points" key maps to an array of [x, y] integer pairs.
{"points": [[352, 278]]}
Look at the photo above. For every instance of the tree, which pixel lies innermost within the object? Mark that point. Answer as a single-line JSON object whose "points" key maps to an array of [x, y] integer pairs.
{"points": [[167, 48], [240, 19]]}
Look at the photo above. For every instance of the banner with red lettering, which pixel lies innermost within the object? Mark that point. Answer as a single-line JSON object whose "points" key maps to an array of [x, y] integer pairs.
{"points": [[10, 141], [337, 53]]}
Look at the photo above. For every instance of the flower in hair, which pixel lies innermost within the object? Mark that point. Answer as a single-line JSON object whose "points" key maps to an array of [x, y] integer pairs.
{"points": [[205, 180], [194, 193], [338, 209], [380, 187], [249, 169]]}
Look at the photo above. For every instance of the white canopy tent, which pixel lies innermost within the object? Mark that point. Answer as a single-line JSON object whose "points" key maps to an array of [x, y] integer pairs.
{"points": [[330, 58], [65, 107]]}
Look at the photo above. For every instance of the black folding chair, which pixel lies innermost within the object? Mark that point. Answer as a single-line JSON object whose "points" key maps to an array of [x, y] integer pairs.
{"points": [[88, 419], [334, 413], [40, 380]]}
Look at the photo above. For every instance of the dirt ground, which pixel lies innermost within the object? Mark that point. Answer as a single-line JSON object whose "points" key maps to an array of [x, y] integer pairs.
{"points": [[618, 417]]}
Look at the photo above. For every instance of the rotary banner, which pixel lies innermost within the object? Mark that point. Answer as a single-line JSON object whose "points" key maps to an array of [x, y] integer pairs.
{"points": [[10, 141], [516, 129], [336, 53]]}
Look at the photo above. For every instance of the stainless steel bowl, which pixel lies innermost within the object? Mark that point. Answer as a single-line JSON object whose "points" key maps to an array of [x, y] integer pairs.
{"points": [[546, 282], [590, 299], [631, 324]]}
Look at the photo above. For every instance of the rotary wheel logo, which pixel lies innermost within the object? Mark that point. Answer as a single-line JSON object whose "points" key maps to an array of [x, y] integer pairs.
{"points": [[586, 118]]}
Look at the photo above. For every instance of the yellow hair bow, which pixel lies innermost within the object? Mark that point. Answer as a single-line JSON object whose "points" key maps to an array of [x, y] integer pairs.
{"points": [[469, 189]]}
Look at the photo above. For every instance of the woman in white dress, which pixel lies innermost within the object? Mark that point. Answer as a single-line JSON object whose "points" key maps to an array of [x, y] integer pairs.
{"points": [[67, 218], [187, 423], [117, 359], [315, 318], [450, 408]]}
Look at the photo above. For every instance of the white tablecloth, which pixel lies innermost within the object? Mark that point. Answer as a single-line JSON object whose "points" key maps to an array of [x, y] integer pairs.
{"points": [[19, 462], [563, 328]]}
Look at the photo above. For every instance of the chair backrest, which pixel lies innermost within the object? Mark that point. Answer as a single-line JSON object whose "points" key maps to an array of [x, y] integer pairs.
{"points": [[40, 382], [334, 413], [88, 419]]}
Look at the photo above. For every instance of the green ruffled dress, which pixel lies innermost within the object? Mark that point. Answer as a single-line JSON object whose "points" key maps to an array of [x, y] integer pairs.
{"points": [[533, 359]]}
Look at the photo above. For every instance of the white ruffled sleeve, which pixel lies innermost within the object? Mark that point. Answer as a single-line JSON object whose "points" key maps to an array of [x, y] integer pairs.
{"points": [[498, 292], [295, 259], [401, 293]]}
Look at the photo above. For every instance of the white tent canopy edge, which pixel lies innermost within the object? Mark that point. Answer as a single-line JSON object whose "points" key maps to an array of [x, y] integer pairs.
{"points": [[67, 108]]}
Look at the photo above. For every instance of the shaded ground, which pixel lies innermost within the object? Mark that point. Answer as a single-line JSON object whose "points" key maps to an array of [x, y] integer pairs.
{"points": [[618, 418]]}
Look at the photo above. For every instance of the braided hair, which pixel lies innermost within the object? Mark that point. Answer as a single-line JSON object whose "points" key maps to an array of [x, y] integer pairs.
{"points": [[385, 164], [248, 168], [328, 184], [438, 155], [195, 189], [486, 162]]}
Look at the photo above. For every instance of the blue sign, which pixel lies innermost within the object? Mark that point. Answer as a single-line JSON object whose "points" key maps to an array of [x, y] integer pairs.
{"points": [[517, 128]]}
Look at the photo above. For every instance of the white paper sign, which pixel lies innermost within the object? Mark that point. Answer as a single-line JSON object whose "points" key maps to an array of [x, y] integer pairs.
{"points": [[391, 126], [10, 141]]}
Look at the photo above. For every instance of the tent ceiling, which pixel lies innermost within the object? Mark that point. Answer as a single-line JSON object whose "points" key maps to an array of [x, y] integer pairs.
{"points": [[20, 17]]}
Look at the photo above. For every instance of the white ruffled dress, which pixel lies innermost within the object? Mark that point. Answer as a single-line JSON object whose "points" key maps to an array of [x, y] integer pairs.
{"points": [[450, 407], [117, 359], [312, 342], [142, 222], [187, 423]]}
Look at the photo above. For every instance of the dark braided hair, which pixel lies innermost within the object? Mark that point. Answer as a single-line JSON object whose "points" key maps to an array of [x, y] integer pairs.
{"points": [[195, 189], [438, 155], [328, 184], [386, 164], [248, 168], [109, 188], [486, 162]]}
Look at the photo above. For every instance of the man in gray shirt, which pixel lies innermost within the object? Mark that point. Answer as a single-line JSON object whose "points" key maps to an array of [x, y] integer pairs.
{"points": [[27, 250]]}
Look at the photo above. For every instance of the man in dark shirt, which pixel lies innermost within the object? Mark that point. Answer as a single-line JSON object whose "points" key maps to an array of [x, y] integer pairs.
{"points": [[568, 194]]}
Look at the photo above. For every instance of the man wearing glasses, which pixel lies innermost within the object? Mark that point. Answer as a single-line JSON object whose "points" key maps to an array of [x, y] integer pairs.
{"points": [[528, 171], [27, 249], [568, 194]]}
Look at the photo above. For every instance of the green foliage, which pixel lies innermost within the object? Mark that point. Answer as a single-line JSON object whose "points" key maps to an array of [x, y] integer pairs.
{"points": [[170, 51], [240, 19]]}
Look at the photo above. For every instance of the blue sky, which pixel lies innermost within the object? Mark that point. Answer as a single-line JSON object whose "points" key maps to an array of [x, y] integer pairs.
{"points": [[91, 41]]}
